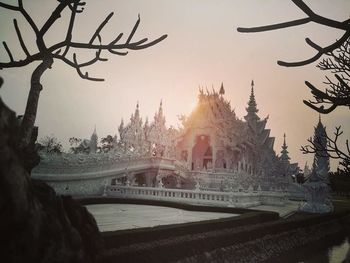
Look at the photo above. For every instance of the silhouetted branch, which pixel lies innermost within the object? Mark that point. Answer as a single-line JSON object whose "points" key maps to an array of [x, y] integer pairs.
{"points": [[321, 51], [56, 14], [113, 47], [101, 26], [86, 75], [27, 17], [312, 17], [19, 35], [332, 151], [47, 55], [70, 26], [274, 26], [54, 51], [10, 7], [338, 94], [8, 51]]}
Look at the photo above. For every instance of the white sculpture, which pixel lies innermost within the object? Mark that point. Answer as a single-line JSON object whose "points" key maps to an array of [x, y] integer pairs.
{"points": [[317, 195]]}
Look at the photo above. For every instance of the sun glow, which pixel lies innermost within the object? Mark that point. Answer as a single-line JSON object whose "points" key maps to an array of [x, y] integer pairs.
{"points": [[191, 106]]}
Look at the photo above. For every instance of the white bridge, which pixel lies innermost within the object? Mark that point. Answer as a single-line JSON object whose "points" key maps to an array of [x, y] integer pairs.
{"points": [[87, 175], [104, 174]]}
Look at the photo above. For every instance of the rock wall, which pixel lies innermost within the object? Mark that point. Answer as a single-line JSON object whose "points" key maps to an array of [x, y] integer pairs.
{"points": [[36, 225]]}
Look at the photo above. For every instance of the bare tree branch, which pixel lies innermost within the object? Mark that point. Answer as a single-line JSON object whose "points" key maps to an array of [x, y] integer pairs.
{"points": [[47, 55], [19, 35], [70, 27], [8, 51], [338, 61], [312, 17], [332, 151], [297, 22], [86, 75], [321, 51], [101, 26], [113, 47], [10, 7], [338, 93], [28, 18]]}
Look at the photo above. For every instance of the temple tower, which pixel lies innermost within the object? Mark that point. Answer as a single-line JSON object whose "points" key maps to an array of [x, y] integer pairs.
{"points": [[93, 142], [284, 153], [252, 109], [321, 160]]}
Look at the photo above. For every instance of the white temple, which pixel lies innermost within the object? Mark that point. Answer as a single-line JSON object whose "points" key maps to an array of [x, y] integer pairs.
{"points": [[214, 151], [213, 139]]}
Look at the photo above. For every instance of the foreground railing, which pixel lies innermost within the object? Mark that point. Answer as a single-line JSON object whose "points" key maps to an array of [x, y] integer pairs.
{"points": [[233, 199]]}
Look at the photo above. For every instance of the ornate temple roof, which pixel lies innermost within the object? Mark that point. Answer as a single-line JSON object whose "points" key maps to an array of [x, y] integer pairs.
{"points": [[213, 111]]}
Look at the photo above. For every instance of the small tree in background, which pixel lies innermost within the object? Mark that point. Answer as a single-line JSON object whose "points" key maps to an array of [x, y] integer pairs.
{"points": [[74, 145], [50, 144], [64, 50]]}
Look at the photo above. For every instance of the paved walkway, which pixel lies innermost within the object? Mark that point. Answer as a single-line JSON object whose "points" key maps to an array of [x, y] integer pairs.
{"points": [[283, 211], [111, 217]]}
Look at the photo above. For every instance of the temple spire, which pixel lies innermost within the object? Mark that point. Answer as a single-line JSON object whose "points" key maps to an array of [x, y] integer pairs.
{"points": [[159, 116], [284, 153], [137, 111], [222, 90], [321, 160], [252, 109], [160, 111], [93, 141]]}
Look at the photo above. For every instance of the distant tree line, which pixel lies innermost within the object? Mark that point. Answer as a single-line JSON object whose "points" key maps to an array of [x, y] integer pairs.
{"points": [[50, 144]]}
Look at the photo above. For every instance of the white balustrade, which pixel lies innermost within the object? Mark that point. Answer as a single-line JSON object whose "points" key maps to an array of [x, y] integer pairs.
{"points": [[233, 199], [57, 168]]}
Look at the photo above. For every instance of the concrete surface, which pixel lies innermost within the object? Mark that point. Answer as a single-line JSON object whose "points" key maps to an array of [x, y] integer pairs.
{"points": [[111, 217]]}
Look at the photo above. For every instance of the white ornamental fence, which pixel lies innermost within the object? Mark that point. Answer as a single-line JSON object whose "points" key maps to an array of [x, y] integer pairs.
{"points": [[241, 199]]}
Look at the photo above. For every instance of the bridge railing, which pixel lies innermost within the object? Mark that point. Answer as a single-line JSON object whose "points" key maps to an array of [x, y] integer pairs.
{"points": [[59, 169], [234, 199]]}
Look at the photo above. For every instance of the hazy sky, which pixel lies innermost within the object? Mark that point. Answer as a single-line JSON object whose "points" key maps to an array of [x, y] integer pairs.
{"points": [[203, 48]]}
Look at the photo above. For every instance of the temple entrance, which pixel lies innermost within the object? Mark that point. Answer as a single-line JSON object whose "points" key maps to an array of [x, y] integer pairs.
{"points": [[140, 179], [202, 153]]}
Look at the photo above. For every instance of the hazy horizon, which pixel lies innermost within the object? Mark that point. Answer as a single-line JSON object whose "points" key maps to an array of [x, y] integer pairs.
{"points": [[203, 48]]}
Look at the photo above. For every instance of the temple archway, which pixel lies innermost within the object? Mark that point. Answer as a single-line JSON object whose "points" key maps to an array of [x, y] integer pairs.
{"points": [[140, 179], [202, 153]]}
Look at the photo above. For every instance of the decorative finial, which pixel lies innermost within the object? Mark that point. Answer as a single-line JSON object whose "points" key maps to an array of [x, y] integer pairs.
{"points": [[252, 84], [222, 90], [284, 138]]}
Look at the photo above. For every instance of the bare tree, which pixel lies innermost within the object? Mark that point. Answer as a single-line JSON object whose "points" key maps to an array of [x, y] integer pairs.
{"points": [[337, 61], [332, 149], [64, 50], [50, 144], [338, 94]]}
